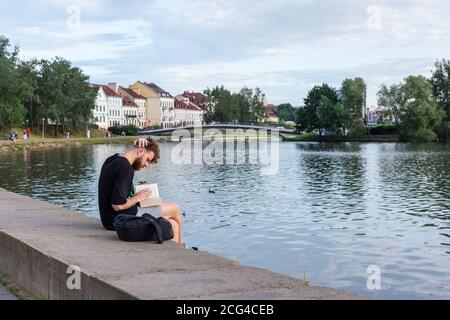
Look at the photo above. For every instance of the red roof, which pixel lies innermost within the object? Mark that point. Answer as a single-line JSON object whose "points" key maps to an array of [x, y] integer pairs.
{"points": [[128, 102], [108, 91], [131, 92], [180, 104], [271, 107], [195, 97], [157, 89]]}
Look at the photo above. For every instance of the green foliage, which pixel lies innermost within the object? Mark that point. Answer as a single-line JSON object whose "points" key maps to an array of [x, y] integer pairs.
{"points": [[41, 89], [391, 99], [286, 112], [440, 81], [246, 106], [12, 111], [65, 95], [307, 118], [443, 131], [129, 130], [329, 115], [387, 129], [419, 113], [354, 96], [414, 108]]}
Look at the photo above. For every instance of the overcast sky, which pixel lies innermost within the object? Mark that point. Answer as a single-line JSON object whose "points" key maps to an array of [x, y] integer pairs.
{"points": [[284, 47]]}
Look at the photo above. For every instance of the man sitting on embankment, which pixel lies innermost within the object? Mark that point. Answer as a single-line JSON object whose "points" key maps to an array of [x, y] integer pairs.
{"points": [[116, 193]]}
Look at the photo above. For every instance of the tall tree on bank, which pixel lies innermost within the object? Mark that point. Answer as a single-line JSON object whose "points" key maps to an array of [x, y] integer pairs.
{"points": [[65, 95], [307, 116], [392, 100], [286, 112], [29, 73], [440, 80], [224, 108], [245, 106], [354, 97], [420, 115], [12, 111]]}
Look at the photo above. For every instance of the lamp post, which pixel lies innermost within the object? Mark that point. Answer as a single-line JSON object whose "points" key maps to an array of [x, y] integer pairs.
{"points": [[43, 129]]}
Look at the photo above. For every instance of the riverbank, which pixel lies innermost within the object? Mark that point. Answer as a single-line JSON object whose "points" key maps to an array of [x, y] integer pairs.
{"points": [[314, 138], [40, 243], [34, 144]]}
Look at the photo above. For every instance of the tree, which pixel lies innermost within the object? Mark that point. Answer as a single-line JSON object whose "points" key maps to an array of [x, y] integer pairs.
{"points": [[245, 106], [420, 114], [29, 73], [307, 116], [440, 80], [331, 116], [391, 99], [286, 112], [65, 95], [12, 111], [354, 96]]}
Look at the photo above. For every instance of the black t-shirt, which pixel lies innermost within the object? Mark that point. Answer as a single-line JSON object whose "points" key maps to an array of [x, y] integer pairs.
{"points": [[114, 188]]}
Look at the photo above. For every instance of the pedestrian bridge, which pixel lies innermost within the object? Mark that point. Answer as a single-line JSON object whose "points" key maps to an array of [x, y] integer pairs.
{"points": [[281, 131]]}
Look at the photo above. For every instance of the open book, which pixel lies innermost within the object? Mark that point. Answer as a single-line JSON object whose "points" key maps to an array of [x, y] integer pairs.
{"points": [[153, 200]]}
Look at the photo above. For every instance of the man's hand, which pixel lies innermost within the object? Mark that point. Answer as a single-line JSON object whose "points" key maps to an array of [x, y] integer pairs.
{"points": [[141, 142], [142, 195]]}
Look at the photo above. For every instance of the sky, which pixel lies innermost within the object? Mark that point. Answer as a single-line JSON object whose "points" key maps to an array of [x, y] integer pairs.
{"points": [[284, 47]]}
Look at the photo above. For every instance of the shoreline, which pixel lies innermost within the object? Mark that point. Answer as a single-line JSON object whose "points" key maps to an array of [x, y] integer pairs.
{"points": [[34, 144], [54, 143], [337, 139]]}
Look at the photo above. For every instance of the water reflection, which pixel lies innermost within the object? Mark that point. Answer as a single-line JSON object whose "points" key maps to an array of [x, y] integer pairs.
{"points": [[332, 210]]}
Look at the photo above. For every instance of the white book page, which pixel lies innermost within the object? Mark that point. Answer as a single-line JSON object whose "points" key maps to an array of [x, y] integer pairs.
{"points": [[153, 188]]}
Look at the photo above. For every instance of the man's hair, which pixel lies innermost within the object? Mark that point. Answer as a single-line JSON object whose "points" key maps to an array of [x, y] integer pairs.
{"points": [[153, 147]]}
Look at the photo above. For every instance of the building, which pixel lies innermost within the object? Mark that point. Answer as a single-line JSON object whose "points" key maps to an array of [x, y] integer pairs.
{"points": [[377, 115], [141, 104], [271, 116], [130, 112], [108, 107], [159, 103], [186, 112], [197, 98], [100, 112]]}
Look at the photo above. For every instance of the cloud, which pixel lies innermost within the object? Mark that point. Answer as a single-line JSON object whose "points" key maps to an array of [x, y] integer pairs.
{"points": [[283, 46]]}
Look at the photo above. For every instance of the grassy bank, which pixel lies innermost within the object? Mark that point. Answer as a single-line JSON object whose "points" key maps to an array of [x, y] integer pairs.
{"points": [[35, 143], [15, 290], [315, 138]]}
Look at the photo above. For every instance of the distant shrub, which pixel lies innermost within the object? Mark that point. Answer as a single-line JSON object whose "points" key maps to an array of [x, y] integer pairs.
{"points": [[420, 135], [130, 130], [388, 129]]}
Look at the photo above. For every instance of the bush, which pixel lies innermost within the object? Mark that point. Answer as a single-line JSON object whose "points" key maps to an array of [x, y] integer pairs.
{"points": [[444, 132], [357, 130], [129, 130], [389, 129], [420, 135]]}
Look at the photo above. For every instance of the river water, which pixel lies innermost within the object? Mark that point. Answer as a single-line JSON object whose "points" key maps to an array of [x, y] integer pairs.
{"points": [[372, 219]]}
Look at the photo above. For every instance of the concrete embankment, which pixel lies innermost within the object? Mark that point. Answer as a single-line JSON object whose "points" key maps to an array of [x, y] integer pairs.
{"points": [[41, 245]]}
